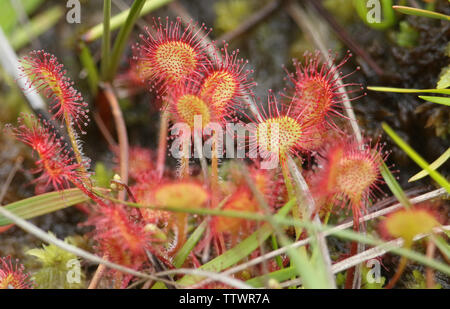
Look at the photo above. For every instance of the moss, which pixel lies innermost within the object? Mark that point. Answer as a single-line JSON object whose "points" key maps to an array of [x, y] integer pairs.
{"points": [[59, 268]]}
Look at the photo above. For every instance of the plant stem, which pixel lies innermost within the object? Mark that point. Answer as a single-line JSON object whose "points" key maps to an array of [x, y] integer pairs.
{"points": [[429, 274], [184, 166], [327, 216], [162, 143], [98, 275], [121, 133], [73, 140], [353, 251], [398, 273], [123, 155], [214, 170], [181, 226], [291, 195]]}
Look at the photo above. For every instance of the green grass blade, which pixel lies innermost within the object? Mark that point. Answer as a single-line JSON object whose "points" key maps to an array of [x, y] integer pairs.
{"points": [[240, 251], [394, 186], [122, 38], [43, 204], [279, 275], [189, 245], [118, 20], [88, 63], [437, 100], [403, 90], [443, 246], [278, 258], [420, 12], [435, 165], [185, 250], [417, 158]]}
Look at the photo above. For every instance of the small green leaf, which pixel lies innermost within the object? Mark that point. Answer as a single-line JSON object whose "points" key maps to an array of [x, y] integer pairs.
{"points": [[43, 204], [437, 100], [435, 165], [420, 12]]}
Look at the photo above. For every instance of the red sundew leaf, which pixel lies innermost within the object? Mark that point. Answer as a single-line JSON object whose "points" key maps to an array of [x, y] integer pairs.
{"points": [[55, 164], [48, 76], [317, 93], [351, 174], [226, 80], [172, 54]]}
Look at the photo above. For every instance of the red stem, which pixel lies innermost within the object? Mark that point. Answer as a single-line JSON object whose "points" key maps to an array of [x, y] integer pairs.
{"points": [[353, 251]]}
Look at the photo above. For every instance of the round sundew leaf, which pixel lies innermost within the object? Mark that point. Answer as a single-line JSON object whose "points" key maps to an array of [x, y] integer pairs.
{"points": [[181, 195], [171, 54], [176, 59], [314, 98], [408, 223], [356, 175], [279, 134], [188, 106], [318, 90], [220, 87]]}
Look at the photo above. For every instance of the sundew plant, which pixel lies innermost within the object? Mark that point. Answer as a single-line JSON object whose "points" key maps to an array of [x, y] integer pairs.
{"points": [[226, 145]]}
